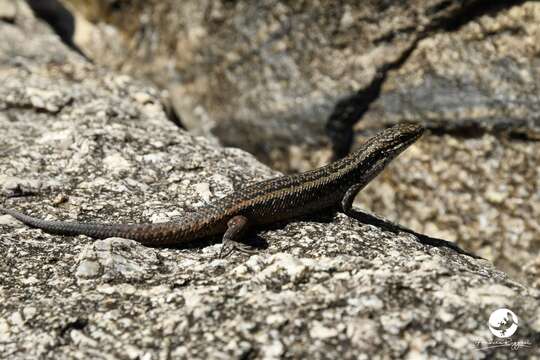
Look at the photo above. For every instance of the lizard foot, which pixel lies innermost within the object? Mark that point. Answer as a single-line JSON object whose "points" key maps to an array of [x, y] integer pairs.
{"points": [[230, 245]]}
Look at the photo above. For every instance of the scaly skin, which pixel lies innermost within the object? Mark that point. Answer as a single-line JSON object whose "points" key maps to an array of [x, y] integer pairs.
{"points": [[330, 187]]}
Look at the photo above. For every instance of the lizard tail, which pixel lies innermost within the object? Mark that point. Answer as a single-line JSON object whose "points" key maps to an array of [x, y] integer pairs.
{"points": [[144, 233]]}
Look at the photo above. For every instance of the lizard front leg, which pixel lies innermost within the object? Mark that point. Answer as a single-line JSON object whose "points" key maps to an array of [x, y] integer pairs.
{"points": [[348, 198]]}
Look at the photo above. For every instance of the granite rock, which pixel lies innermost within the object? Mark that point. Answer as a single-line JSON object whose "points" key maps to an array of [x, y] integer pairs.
{"points": [[475, 178], [327, 286], [274, 77], [481, 78]]}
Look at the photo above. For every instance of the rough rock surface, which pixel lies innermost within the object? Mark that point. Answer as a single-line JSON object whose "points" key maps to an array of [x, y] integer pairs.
{"points": [[275, 76], [83, 143], [482, 186], [482, 192], [481, 78], [267, 76]]}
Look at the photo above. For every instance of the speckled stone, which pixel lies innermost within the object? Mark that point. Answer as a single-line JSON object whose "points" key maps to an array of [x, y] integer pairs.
{"points": [[473, 77], [117, 259], [326, 287]]}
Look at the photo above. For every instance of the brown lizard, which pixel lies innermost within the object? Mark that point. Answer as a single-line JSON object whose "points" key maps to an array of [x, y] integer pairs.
{"points": [[332, 187]]}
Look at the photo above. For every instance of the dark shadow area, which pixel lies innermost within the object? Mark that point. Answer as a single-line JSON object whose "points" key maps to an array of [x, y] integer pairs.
{"points": [[195, 244], [77, 324], [59, 18], [174, 117], [386, 225], [255, 241], [468, 13], [171, 112], [7, 18], [515, 129]]}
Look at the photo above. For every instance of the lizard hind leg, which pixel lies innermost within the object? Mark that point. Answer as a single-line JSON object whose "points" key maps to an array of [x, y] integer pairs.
{"points": [[237, 227]]}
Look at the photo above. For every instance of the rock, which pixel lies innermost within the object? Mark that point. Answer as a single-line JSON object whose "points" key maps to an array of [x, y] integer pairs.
{"points": [[276, 80], [480, 185], [480, 78], [271, 76], [117, 259], [8, 11], [480, 192], [324, 287], [11, 186], [319, 331]]}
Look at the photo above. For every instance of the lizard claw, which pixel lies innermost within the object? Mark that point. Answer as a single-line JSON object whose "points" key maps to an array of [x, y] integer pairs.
{"points": [[226, 249], [229, 246]]}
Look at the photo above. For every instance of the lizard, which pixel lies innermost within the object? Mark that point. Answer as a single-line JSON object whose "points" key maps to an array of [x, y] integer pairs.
{"points": [[331, 187]]}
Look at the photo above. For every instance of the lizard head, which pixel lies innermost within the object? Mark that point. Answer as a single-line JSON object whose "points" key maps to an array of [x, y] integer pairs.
{"points": [[372, 156], [392, 141]]}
